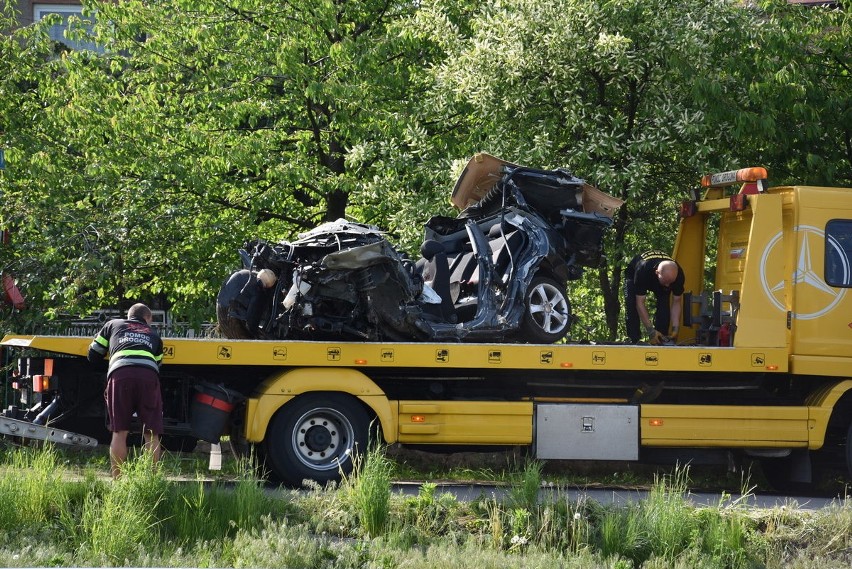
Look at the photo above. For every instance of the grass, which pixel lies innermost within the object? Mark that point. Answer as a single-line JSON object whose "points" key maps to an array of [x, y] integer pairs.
{"points": [[56, 512]]}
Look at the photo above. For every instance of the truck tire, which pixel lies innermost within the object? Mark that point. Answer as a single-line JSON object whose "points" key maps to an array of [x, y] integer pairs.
{"points": [[849, 451], [315, 437], [547, 312]]}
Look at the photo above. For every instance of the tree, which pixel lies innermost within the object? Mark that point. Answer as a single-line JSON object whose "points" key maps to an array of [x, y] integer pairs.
{"points": [[135, 173], [802, 91], [617, 91], [200, 126]]}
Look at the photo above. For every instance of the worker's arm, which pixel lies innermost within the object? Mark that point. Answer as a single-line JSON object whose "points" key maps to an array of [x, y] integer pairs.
{"points": [[644, 318], [654, 336]]}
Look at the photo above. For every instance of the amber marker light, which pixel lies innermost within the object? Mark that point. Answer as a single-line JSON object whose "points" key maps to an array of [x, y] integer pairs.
{"points": [[418, 418], [655, 422], [360, 362], [41, 383], [772, 367], [566, 364]]}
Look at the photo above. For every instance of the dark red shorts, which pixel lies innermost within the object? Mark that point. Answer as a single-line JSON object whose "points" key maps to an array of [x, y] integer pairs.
{"points": [[134, 389]]}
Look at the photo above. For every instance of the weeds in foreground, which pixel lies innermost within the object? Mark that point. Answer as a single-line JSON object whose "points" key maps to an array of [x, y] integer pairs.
{"points": [[525, 488], [31, 489], [144, 519], [370, 485], [123, 516]]}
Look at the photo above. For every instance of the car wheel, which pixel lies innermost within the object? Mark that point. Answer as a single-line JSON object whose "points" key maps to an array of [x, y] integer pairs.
{"points": [[316, 437], [231, 328], [547, 314]]}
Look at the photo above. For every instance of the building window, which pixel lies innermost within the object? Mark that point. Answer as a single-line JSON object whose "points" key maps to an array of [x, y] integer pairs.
{"points": [[57, 30], [838, 252]]}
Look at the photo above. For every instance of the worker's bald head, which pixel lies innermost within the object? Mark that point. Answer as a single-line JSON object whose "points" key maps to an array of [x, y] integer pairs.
{"points": [[667, 272]]}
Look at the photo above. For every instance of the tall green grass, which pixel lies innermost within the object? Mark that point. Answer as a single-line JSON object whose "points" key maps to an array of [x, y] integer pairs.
{"points": [[108, 522], [123, 517], [32, 490], [370, 485], [51, 515]]}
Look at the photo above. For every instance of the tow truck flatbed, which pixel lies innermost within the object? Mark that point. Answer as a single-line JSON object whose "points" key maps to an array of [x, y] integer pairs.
{"points": [[220, 351]]}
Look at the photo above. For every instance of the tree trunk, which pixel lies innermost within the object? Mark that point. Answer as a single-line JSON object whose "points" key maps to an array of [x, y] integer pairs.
{"points": [[611, 286], [336, 200]]}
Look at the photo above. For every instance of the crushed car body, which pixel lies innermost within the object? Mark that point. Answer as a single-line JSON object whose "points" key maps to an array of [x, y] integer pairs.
{"points": [[496, 272]]}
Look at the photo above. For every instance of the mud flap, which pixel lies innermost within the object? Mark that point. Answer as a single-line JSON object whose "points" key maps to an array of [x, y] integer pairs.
{"points": [[800, 471]]}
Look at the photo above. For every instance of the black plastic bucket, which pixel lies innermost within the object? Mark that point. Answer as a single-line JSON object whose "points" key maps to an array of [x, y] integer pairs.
{"points": [[209, 411]]}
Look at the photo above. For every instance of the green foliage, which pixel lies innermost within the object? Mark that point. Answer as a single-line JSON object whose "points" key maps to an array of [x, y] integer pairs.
{"points": [[212, 512], [608, 90], [134, 173], [667, 517], [525, 490], [430, 513], [196, 130], [370, 485], [621, 535], [31, 491], [145, 519], [797, 117]]}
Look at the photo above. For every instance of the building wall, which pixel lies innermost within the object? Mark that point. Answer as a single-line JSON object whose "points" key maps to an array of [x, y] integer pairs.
{"points": [[25, 8]]}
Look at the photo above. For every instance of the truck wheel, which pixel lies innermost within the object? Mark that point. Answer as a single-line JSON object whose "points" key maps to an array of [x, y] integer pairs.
{"points": [[547, 315], [315, 437], [849, 451]]}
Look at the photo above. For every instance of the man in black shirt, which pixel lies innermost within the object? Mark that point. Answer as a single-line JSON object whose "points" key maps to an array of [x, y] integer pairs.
{"points": [[656, 272], [135, 352], [242, 300]]}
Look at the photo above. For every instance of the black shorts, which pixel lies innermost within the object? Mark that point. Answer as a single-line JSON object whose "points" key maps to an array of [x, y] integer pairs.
{"points": [[134, 389]]}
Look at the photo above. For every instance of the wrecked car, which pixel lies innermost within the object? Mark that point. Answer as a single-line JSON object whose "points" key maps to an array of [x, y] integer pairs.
{"points": [[498, 271]]}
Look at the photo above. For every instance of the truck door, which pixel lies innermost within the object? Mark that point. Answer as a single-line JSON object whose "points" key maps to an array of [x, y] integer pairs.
{"points": [[821, 320]]}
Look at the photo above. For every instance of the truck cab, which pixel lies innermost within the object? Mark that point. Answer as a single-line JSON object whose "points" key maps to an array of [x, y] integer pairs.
{"points": [[781, 271]]}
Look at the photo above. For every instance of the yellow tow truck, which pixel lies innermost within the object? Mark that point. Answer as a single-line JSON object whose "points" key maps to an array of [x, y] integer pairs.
{"points": [[763, 368]]}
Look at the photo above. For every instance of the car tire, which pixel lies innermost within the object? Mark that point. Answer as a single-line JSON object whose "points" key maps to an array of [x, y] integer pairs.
{"points": [[547, 312]]}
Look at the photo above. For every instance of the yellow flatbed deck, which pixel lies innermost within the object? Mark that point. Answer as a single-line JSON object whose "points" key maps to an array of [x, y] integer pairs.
{"points": [[194, 351]]}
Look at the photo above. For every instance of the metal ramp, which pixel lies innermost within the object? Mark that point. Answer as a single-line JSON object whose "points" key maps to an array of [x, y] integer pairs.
{"points": [[28, 430]]}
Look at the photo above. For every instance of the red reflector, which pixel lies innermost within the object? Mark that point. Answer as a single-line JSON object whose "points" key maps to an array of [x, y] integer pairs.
{"points": [[48, 366], [688, 208], [12, 294], [738, 202], [211, 401]]}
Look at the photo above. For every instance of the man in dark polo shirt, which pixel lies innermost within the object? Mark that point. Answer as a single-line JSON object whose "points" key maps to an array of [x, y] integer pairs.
{"points": [[135, 351], [658, 273]]}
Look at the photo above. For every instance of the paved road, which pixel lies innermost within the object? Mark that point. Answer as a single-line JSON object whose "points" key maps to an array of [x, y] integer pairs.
{"points": [[620, 496]]}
